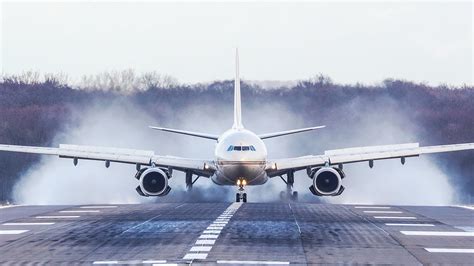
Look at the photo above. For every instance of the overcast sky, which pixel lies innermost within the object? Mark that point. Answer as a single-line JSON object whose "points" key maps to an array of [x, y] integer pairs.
{"points": [[194, 42]]}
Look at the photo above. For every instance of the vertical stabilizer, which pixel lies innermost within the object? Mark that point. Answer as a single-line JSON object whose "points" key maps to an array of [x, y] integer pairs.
{"points": [[237, 100]]}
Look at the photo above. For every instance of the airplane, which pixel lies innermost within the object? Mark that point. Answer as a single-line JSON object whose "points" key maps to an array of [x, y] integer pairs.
{"points": [[240, 159]]}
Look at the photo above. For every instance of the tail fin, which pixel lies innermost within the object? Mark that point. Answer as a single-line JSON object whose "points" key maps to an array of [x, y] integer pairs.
{"points": [[237, 100]]}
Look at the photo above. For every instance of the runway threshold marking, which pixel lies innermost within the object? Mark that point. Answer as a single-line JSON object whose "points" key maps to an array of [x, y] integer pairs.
{"points": [[158, 262], [371, 207], [450, 250], [383, 212], [399, 224], [252, 262], [12, 232], [208, 237], [57, 217], [28, 223], [396, 217], [80, 211], [98, 207], [436, 233]]}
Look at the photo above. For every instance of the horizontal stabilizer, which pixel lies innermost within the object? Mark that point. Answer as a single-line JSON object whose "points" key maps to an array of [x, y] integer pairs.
{"points": [[189, 133], [288, 132]]}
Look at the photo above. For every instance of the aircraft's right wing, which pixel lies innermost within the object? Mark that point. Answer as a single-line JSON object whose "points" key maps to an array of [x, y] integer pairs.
{"points": [[130, 156], [361, 154]]}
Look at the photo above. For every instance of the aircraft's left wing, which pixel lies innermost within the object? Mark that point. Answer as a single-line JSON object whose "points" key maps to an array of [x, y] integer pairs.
{"points": [[361, 154], [106, 154]]}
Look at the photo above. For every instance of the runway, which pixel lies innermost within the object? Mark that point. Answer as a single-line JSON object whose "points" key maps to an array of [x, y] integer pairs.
{"points": [[236, 233]]}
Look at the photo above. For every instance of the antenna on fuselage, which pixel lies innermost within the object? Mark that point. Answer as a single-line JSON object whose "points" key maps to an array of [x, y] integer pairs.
{"points": [[237, 100]]}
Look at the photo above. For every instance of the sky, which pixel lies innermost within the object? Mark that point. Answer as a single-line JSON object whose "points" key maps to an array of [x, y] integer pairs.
{"points": [[351, 42]]}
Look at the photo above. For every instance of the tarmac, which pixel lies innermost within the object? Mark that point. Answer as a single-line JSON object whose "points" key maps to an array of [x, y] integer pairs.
{"points": [[236, 234]]}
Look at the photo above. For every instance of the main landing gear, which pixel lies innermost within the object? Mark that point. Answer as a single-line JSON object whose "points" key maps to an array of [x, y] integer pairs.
{"points": [[289, 194], [241, 195]]}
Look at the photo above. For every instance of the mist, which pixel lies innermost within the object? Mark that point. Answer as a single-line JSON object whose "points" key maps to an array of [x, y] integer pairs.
{"points": [[124, 123]]}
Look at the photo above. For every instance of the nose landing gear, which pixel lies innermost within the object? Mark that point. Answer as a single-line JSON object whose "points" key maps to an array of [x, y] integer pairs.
{"points": [[241, 195]]}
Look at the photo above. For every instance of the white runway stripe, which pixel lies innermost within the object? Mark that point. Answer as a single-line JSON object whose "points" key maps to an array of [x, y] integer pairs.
{"points": [[450, 250], [211, 232], [394, 224], [253, 262], [205, 242], [201, 248], [129, 262], [195, 256], [396, 217], [98, 207], [372, 207], [57, 217], [80, 211], [12, 232], [208, 236], [436, 233], [386, 212], [28, 223]]}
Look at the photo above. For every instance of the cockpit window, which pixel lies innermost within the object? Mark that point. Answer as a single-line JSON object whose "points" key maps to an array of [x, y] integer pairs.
{"points": [[241, 148]]}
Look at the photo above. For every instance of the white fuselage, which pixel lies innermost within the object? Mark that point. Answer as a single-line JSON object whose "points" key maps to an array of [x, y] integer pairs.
{"points": [[240, 154]]}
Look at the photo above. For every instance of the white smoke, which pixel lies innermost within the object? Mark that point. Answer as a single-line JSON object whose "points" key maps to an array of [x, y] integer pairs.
{"points": [[122, 124]]}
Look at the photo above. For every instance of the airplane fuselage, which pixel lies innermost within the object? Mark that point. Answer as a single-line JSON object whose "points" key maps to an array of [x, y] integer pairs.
{"points": [[240, 155]]}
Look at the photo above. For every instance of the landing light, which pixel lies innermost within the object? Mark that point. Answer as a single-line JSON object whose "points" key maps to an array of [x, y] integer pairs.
{"points": [[238, 182], [244, 182]]}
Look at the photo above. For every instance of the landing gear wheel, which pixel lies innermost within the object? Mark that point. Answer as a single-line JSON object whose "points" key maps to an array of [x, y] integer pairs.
{"points": [[237, 197], [244, 197], [294, 196]]}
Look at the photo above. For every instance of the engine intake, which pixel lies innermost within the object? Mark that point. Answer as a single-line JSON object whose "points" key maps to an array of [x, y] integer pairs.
{"points": [[327, 181], [153, 182]]}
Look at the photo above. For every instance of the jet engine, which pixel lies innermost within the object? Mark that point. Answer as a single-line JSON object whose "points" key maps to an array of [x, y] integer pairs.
{"points": [[153, 182], [327, 181]]}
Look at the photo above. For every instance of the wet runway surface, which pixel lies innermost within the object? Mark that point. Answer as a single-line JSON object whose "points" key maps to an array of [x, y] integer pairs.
{"points": [[225, 233]]}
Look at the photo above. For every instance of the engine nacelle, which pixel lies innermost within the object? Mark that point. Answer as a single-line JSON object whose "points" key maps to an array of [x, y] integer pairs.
{"points": [[153, 182], [327, 181]]}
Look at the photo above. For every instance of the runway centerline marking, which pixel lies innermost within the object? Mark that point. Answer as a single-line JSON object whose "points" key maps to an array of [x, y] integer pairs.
{"points": [[201, 248], [28, 223], [208, 237], [205, 242], [12, 232], [385, 212], [395, 224], [253, 262], [436, 233], [450, 250], [395, 217]]}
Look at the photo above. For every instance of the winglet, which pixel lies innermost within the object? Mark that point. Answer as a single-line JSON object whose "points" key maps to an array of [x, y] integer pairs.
{"points": [[237, 99]]}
